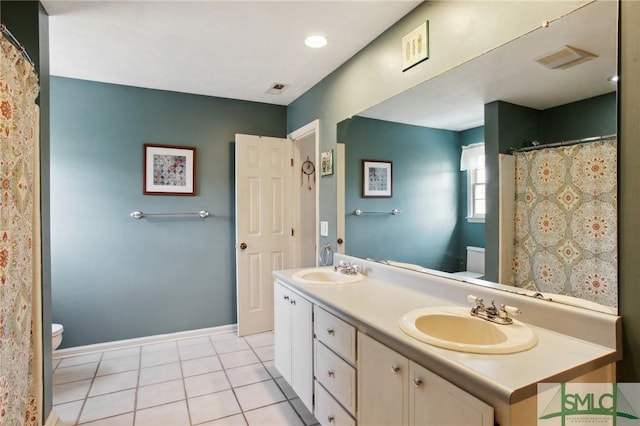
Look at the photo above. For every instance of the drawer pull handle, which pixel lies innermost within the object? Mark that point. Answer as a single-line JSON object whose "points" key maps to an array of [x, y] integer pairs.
{"points": [[286, 297], [330, 373], [330, 418], [417, 382], [331, 331], [293, 302], [395, 369]]}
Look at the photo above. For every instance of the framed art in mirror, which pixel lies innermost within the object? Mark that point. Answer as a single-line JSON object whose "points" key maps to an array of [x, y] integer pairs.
{"points": [[169, 170], [376, 179], [326, 163]]}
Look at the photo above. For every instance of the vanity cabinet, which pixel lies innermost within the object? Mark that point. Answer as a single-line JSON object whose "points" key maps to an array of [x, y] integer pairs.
{"points": [[293, 341], [394, 390], [335, 370]]}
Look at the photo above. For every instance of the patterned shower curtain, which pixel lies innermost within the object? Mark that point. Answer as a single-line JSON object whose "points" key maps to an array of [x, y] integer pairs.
{"points": [[20, 319], [566, 221]]}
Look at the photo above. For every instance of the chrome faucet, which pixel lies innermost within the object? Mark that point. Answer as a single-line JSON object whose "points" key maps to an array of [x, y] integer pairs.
{"points": [[347, 268], [492, 313]]}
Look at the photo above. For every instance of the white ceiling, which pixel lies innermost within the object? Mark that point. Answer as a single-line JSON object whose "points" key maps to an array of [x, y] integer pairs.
{"points": [[455, 100], [232, 49], [238, 49]]}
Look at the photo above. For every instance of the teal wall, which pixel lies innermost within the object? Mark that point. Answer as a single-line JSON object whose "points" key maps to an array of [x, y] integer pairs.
{"points": [[428, 188], [114, 277], [425, 166]]}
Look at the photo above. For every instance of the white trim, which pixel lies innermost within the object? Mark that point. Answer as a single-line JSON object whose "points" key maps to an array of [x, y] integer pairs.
{"points": [[52, 418], [307, 129], [158, 338]]}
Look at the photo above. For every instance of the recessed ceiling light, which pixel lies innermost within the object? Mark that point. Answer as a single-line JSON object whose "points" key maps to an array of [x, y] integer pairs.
{"points": [[316, 41]]}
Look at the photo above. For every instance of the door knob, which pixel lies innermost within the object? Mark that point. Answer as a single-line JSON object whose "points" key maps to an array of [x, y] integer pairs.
{"points": [[243, 246], [340, 241]]}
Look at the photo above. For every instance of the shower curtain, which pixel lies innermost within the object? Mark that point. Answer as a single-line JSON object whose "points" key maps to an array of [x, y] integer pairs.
{"points": [[20, 283], [566, 221]]}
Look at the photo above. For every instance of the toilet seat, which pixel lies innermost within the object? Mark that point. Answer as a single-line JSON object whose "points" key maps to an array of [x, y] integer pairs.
{"points": [[56, 329]]}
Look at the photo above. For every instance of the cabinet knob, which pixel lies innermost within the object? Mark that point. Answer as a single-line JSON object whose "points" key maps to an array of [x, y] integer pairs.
{"points": [[417, 382], [395, 369], [293, 302], [330, 331], [330, 373], [286, 297], [330, 418]]}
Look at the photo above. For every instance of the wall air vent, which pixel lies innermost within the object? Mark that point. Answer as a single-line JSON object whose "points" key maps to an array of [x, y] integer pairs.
{"points": [[564, 58], [277, 88]]}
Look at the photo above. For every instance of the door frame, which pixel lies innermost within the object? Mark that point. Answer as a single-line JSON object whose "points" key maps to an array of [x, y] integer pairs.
{"points": [[312, 128]]}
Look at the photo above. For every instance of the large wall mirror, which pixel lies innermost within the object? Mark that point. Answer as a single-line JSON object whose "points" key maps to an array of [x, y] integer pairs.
{"points": [[505, 99]]}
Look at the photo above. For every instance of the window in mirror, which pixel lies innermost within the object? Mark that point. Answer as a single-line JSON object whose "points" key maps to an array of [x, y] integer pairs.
{"points": [[476, 189], [472, 161]]}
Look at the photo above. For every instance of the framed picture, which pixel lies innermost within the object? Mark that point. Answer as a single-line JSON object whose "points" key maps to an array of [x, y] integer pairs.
{"points": [[326, 163], [169, 170], [415, 46], [376, 179]]}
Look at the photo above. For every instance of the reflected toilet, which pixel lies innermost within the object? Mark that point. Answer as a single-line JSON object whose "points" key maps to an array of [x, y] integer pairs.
{"points": [[475, 263], [56, 335]]}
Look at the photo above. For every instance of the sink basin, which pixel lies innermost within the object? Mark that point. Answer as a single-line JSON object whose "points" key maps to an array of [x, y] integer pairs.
{"points": [[325, 276], [454, 328]]}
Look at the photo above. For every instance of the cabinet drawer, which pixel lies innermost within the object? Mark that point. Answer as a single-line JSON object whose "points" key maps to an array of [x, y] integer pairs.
{"points": [[338, 377], [336, 334], [328, 412]]}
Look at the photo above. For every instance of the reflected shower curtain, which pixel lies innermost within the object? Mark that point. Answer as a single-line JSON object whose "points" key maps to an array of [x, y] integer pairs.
{"points": [[566, 221], [20, 318]]}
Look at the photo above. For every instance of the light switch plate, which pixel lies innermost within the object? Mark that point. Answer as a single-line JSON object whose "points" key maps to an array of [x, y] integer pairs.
{"points": [[324, 228]]}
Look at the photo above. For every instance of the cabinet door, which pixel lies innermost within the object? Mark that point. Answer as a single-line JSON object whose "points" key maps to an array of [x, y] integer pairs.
{"points": [[435, 401], [302, 349], [382, 384], [282, 330]]}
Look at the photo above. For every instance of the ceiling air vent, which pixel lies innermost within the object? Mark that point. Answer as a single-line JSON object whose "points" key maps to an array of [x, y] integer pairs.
{"points": [[276, 88], [564, 58]]}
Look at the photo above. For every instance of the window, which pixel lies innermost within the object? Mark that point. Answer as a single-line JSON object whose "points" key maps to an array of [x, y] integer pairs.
{"points": [[472, 161]]}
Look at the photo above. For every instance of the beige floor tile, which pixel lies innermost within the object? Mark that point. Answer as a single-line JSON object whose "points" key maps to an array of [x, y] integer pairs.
{"points": [[73, 391], [69, 412], [121, 420], [118, 365], [278, 414], [259, 395], [112, 404], [173, 414], [197, 366], [247, 374], [231, 345], [238, 359], [160, 373], [213, 406], [206, 383], [260, 339], [160, 393], [114, 383], [74, 373]]}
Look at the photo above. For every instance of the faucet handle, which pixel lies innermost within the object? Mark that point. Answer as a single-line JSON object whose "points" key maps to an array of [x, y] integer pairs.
{"points": [[475, 300], [512, 310]]}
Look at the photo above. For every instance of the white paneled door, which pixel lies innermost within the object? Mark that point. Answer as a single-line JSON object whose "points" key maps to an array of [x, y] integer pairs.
{"points": [[263, 225]]}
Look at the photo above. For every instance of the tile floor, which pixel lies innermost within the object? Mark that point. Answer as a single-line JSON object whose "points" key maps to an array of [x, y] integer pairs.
{"points": [[220, 379]]}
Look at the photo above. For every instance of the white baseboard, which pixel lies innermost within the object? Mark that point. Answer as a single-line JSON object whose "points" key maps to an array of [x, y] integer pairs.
{"points": [[159, 338], [52, 419]]}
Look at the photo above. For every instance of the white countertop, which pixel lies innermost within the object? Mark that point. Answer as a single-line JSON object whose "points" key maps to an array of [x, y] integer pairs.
{"points": [[375, 307]]}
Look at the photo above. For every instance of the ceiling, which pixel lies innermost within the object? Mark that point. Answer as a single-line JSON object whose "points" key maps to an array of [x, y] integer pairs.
{"points": [[455, 100], [231, 49]]}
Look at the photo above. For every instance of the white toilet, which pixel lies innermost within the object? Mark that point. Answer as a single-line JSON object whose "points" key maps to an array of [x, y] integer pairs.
{"points": [[56, 335], [475, 263]]}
